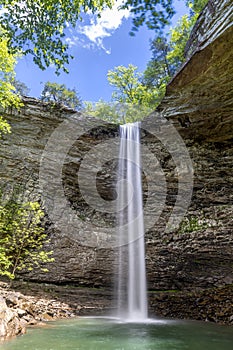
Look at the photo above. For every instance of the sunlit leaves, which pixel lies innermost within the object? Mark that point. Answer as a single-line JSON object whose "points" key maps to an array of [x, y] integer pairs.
{"points": [[22, 237], [38, 27], [179, 37], [168, 52], [7, 96], [131, 99], [196, 6], [129, 88], [59, 93], [117, 113]]}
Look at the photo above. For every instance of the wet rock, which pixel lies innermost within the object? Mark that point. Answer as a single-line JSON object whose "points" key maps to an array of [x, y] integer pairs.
{"points": [[10, 323], [214, 305]]}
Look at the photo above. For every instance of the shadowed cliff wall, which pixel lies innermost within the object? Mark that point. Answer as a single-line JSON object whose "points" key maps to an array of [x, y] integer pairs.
{"points": [[198, 103]]}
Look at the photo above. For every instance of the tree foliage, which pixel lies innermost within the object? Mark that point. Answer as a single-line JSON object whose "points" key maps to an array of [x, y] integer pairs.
{"points": [[38, 27], [158, 70], [59, 93], [168, 51], [196, 6], [129, 88], [155, 14], [7, 95], [102, 110], [179, 37], [167, 54], [21, 237], [131, 100], [20, 88], [133, 89], [117, 113]]}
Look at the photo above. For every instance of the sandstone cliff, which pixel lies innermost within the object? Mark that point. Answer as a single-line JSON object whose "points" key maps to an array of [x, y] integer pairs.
{"points": [[198, 103]]}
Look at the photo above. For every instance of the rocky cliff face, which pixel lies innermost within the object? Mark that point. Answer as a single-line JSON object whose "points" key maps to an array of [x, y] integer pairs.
{"points": [[198, 104]]}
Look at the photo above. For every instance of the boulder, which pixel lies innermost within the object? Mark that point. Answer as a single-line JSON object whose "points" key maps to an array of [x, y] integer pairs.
{"points": [[10, 323]]}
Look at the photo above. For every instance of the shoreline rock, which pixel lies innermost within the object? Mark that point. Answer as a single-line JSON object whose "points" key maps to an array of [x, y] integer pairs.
{"points": [[10, 321], [18, 311], [212, 305]]}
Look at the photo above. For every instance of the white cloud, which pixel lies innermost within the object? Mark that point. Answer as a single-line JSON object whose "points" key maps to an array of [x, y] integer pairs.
{"points": [[100, 27]]}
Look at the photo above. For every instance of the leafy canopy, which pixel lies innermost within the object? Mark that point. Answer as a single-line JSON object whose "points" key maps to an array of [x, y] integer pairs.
{"points": [[39, 27], [20, 88], [131, 100], [22, 237], [129, 88], [7, 96], [168, 53], [117, 113], [59, 93]]}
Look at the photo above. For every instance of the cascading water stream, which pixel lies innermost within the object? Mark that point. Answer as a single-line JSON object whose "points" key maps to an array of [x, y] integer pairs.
{"points": [[132, 297]]}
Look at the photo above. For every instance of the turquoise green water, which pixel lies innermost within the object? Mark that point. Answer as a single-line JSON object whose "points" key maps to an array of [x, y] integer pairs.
{"points": [[105, 334]]}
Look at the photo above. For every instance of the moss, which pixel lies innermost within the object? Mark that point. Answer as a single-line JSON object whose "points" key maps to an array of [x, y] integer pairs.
{"points": [[195, 223]]}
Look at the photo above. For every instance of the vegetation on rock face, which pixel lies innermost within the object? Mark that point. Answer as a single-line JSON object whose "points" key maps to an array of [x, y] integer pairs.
{"points": [[22, 236], [196, 223], [59, 93]]}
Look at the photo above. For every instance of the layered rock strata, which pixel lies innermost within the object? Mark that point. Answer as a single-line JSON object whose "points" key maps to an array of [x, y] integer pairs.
{"points": [[198, 104]]}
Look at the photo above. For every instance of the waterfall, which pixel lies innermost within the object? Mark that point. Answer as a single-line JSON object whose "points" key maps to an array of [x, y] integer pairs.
{"points": [[131, 286]]}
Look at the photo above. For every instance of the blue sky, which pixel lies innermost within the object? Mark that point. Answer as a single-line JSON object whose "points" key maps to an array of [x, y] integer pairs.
{"points": [[97, 45]]}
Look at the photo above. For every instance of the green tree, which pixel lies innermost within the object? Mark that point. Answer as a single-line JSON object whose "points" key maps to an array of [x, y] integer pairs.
{"points": [[158, 70], [59, 93], [102, 110], [7, 95], [114, 112], [129, 88], [38, 27], [179, 37], [22, 237], [168, 54], [146, 90], [20, 88], [131, 99]]}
